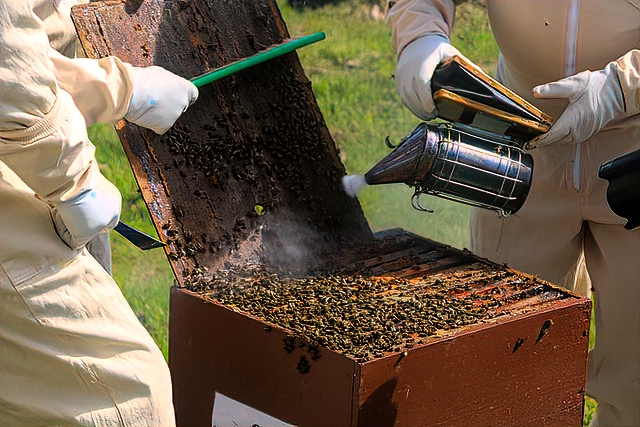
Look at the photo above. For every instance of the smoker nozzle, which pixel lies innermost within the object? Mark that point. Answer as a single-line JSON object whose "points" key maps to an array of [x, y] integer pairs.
{"points": [[409, 162]]}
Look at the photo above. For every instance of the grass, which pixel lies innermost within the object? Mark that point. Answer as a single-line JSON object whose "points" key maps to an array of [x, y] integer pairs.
{"points": [[351, 72]]}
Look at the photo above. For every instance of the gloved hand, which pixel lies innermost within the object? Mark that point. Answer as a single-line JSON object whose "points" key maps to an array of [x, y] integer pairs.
{"points": [[86, 215], [595, 98], [416, 65], [159, 98]]}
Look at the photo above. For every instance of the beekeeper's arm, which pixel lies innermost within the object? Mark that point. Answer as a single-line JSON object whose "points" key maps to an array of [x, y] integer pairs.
{"points": [[43, 136], [595, 98], [420, 36], [107, 90]]}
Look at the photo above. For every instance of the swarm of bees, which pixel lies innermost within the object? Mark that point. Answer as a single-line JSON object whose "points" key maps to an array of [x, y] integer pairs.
{"points": [[367, 317]]}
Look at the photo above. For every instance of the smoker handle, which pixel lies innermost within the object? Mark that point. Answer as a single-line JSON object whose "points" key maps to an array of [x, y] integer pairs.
{"points": [[623, 191]]}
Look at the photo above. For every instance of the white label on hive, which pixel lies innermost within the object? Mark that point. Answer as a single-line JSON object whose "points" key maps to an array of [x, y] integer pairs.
{"points": [[231, 413]]}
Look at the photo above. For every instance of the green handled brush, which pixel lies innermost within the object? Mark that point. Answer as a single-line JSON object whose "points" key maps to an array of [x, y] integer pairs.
{"points": [[271, 52]]}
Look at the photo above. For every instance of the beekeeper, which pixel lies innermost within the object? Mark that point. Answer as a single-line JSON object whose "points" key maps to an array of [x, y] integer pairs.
{"points": [[72, 352], [579, 62]]}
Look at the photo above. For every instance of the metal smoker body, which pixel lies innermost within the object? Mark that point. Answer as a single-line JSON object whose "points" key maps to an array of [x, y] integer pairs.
{"points": [[459, 163], [475, 156]]}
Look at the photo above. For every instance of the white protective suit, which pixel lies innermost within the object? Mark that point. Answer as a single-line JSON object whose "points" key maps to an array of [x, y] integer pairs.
{"points": [[566, 216], [72, 352], [62, 37]]}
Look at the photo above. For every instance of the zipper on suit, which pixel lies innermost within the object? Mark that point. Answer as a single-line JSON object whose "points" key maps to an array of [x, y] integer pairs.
{"points": [[570, 67], [571, 41]]}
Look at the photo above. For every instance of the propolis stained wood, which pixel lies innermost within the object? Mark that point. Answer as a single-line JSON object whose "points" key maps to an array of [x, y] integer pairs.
{"points": [[251, 175]]}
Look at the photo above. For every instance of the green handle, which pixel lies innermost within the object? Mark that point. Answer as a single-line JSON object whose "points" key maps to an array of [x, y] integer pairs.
{"points": [[258, 58]]}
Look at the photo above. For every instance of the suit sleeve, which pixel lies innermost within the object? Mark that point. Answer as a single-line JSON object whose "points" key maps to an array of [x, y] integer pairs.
{"points": [[629, 77], [43, 137], [411, 19], [100, 88]]}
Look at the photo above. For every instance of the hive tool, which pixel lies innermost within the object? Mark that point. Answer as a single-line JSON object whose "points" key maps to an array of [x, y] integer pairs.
{"points": [[138, 238]]}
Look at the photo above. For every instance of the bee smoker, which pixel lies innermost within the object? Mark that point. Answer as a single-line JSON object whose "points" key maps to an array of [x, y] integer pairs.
{"points": [[459, 163]]}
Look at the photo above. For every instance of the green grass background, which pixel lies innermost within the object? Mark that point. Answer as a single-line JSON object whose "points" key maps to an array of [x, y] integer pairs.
{"points": [[352, 76]]}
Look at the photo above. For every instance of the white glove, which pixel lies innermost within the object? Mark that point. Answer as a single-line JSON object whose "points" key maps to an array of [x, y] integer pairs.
{"points": [[159, 98], [416, 65], [595, 98], [93, 211]]}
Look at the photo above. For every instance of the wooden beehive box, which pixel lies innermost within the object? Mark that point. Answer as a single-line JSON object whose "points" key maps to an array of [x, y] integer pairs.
{"points": [[523, 364], [249, 175]]}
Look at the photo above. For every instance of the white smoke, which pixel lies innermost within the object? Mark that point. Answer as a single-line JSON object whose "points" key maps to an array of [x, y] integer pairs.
{"points": [[352, 184]]}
